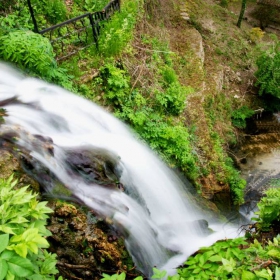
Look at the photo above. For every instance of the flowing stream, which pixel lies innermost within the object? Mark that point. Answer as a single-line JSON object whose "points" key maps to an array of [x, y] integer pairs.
{"points": [[48, 126]]}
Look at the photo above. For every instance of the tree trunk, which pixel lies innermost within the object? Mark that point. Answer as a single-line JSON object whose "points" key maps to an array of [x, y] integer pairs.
{"points": [[242, 11]]}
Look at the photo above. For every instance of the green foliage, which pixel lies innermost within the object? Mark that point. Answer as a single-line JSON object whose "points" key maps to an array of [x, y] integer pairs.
{"points": [[115, 83], [121, 276], [233, 259], [224, 3], [54, 10], [269, 209], [28, 50], [94, 5], [118, 31], [33, 53], [170, 139], [173, 98], [228, 259], [240, 115], [268, 73], [22, 231], [236, 183], [6, 5]]}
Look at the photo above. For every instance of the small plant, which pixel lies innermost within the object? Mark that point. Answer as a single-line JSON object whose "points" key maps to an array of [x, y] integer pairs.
{"points": [[268, 73], [269, 209], [121, 276], [54, 10], [224, 3], [256, 34], [173, 99], [240, 115], [118, 31], [115, 83], [22, 231]]}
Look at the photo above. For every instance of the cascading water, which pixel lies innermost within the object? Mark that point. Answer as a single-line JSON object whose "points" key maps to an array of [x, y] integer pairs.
{"points": [[55, 131]]}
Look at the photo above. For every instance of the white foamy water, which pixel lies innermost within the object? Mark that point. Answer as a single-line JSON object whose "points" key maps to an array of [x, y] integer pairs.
{"points": [[155, 211]]}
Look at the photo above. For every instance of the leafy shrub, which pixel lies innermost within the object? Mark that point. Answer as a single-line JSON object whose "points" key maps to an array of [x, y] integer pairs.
{"points": [[22, 231], [269, 209], [6, 5], [268, 73], [169, 76], [236, 183], [240, 115], [54, 10], [29, 51], [233, 259], [33, 53], [224, 3], [173, 99], [256, 34], [115, 83]]}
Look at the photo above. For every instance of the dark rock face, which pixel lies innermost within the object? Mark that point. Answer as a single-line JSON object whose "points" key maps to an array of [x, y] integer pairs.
{"points": [[94, 165], [85, 245]]}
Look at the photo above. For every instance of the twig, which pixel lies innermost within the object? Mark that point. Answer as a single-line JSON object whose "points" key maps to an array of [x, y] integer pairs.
{"points": [[140, 72], [75, 266], [264, 264]]}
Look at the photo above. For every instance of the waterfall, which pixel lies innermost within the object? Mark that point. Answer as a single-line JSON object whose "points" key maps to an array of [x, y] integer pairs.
{"points": [[61, 137]]}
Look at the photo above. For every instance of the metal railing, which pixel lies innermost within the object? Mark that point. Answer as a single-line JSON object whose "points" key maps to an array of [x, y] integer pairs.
{"points": [[73, 35]]}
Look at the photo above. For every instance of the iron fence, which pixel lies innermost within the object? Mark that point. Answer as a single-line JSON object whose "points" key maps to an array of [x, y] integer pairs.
{"points": [[73, 35]]}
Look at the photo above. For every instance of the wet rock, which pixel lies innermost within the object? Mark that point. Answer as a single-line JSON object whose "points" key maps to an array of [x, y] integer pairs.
{"points": [[94, 165], [85, 248]]}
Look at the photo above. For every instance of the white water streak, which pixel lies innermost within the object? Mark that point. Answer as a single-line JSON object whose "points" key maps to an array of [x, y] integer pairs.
{"points": [[157, 215]]}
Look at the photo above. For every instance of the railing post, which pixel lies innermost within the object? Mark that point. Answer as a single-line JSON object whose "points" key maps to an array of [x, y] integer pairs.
{"points": [[32, 16], [95, 35]]}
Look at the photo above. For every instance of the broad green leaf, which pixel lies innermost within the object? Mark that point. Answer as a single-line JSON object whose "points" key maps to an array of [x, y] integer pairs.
{"points": [[30, 234], [39, 277], [264, 273], [122, 276], [228, 265], [202, 260], [16, 238], [32, 246], [7, 255], [6, 229], [158, 274], [247, 275], [20, 267], [41, 226], [106, 276], [18, 220], [277, 273], [48, 266], [3, 269], [10, 276], [274, 253], [206, 266], [41, 241], [197, 270], [21, 249], [215, 258], [4, 241], [138, 278]]}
